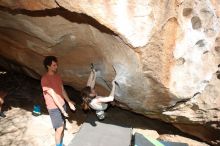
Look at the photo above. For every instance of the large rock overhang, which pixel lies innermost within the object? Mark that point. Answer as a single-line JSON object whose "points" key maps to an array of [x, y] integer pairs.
{"points": [[165, 54]]}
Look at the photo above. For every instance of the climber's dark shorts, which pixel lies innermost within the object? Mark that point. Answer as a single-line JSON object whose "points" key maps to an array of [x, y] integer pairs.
{"points": [[57, 117]]}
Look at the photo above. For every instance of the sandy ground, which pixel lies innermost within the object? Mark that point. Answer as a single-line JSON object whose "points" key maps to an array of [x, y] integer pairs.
{"points": [[21, 128]]}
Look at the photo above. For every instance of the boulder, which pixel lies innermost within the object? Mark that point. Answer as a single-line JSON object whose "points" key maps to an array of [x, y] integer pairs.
{"points": [[163, 54]]}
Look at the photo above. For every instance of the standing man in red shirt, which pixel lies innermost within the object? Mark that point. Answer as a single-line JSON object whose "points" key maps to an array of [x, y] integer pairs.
{"points": [[54, 95]]}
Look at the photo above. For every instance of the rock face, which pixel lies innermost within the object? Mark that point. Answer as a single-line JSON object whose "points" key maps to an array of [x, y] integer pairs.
{"points": [[166, 53]]}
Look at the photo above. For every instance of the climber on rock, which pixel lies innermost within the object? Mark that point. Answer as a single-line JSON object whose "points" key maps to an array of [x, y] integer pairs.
{"points": [[94, 101]]}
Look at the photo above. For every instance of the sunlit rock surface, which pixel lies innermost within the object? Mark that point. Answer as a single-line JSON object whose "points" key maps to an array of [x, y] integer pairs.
{"points": [[165, 53]]}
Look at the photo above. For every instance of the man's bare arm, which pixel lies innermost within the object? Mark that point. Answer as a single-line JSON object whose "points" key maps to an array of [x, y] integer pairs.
{"points": [[54, 95], [66, 97], [110, 97]]}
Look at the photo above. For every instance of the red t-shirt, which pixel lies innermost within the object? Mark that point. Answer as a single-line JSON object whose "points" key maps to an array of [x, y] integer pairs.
{"points": [[52, 82]]}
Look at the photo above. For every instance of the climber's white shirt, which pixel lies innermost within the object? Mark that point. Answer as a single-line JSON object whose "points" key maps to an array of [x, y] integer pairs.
{"points": [[97, 105]]}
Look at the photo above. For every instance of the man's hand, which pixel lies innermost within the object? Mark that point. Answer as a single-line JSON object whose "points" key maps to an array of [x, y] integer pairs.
{"points": [[65, 114], [71, 104]]}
